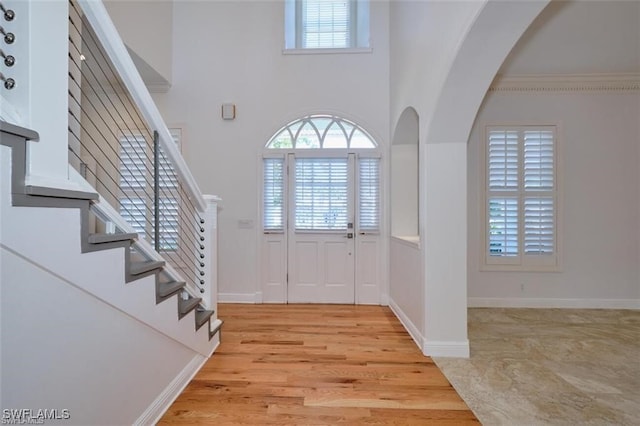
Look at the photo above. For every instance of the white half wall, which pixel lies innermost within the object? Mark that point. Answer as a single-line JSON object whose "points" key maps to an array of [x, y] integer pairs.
{"points": [[406, 290], [600, 140]]}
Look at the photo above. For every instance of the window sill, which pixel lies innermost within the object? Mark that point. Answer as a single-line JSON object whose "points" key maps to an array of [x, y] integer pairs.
{"points": [[331, 51], [520, 268]]}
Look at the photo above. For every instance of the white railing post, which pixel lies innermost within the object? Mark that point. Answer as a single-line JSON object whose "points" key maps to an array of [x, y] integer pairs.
{"points": [[210, 295]]}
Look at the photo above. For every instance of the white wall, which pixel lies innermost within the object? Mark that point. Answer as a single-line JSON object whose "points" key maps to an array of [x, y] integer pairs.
{"points": [[425, 36], [404, 190], [230, 51], [63, 349], [600, 138], [146, 27]]}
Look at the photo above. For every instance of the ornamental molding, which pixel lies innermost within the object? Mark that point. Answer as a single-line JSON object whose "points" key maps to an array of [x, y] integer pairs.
{"points": [[621, 82]]}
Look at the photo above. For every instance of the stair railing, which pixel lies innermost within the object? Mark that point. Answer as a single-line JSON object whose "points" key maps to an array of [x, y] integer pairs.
{"points": [[120, 145]]}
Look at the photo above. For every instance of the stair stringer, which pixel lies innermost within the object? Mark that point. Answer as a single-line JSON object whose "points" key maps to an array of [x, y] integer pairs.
{"points": [[51, 238]]}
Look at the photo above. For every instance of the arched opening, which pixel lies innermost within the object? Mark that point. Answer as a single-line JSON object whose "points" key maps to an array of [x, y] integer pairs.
{"points": [[404, 180]]}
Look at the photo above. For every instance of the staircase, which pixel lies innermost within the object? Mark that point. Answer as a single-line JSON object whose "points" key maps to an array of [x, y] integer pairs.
{"points": [[136, 266]]}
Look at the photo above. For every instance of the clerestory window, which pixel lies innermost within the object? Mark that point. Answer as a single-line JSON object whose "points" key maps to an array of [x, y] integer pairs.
{"points": [[326, 24]]}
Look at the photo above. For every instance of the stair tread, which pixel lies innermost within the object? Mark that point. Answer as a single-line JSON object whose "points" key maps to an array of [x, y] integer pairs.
{"points": [[186, 306], [217, 328], [202, 316], [43, 191], [110, 238], [168, 288], [137, 268]]}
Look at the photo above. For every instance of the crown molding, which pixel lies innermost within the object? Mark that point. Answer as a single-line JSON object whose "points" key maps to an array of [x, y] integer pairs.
{"points": [[608, 82]]}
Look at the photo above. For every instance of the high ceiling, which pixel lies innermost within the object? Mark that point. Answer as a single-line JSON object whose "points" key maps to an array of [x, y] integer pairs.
{"points": [[580, 37]]}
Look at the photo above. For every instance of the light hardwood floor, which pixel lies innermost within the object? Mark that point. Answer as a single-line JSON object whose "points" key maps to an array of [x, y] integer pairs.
{"points": [[317, 364]]}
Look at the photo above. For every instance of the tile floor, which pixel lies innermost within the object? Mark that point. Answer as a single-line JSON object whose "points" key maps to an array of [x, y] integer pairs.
{"points": [[550, 367]]}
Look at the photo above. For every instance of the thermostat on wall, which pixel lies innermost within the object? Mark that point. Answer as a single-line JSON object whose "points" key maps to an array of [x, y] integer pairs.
{"points": [[228, 111]]}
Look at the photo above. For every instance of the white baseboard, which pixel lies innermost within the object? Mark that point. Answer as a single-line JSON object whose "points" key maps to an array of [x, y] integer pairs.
{"points": [[156, 410], [237, 298], [448, 349], [526, 302], [411, 328]]}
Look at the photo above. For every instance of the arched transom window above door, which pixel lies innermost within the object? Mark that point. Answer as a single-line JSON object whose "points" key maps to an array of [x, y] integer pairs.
{"points": [[321, 131]]}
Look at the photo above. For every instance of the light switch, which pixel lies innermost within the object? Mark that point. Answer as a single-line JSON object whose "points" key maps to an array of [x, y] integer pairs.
{"points": [[245, 224]]}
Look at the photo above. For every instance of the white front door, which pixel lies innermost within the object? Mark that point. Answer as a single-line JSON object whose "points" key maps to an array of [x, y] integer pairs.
{"points": [[321, 249]]}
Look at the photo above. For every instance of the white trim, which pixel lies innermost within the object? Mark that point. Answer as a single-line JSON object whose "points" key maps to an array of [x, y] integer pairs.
{"points": [[161, 404], [451, 349], [566, 82], [529, 302], [411, 328], [409, 241], [327, 51], [239, 298]]}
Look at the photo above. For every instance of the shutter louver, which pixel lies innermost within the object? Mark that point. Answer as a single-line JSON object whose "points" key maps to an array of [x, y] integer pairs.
{"points": [[133, 210], [273, 194], [538, 160], [503, 226], [539, 226], [132, 162], [369, 195], [168, 176], [168, 224], [503, 160], [321, 194], [326, 24]]}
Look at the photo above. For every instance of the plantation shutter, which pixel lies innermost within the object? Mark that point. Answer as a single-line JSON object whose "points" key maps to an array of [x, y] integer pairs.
{"points": [[273, 194], [503, 160], [521, 192], [503, 226], [369, 195], [133, 175], [326, 24], [539, 179], [132, 162], [321, 192], [133, 210]]}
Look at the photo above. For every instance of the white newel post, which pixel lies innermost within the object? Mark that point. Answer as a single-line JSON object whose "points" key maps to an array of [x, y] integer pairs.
{"points": [[210, 295]]}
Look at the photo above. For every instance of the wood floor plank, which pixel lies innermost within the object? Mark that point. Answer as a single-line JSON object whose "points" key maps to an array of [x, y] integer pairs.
{"points": [[317, 365]]}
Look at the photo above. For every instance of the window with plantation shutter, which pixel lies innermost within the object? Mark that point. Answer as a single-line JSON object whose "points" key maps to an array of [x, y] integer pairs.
{"points": [[521, 198], [136, 187], [321, 194], [273, 195], [369, 195], [326, 24]]}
